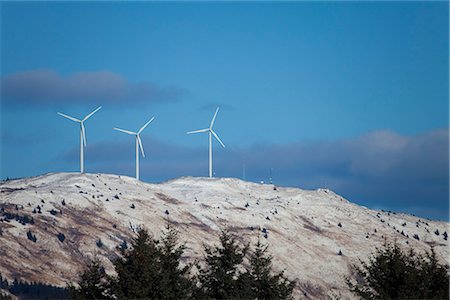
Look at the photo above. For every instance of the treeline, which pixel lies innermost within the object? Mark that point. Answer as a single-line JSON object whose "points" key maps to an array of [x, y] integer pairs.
{"points": [[31, 290], [152, 269], [234, 270], [149, 268]]}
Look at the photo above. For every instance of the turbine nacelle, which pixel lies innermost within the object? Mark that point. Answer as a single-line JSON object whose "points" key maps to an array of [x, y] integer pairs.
{"points": [[139, 145], [137, 134], [210, 129], [211, 133], [82, 133], [83, 130]]}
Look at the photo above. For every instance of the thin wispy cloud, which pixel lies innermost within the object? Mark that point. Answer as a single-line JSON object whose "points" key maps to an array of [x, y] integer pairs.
{"points": [[45, 86]]}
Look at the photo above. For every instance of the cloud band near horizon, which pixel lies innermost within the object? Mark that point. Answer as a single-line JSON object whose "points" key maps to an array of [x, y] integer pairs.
{"points": [[381, 168], [45, 86]]}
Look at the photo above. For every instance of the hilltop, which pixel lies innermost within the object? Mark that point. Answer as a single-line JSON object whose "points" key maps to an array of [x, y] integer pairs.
{"points": [[52, 224]]}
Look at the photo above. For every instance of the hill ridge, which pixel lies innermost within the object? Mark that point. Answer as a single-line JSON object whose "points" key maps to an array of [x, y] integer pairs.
{"points": [[305, 229]]}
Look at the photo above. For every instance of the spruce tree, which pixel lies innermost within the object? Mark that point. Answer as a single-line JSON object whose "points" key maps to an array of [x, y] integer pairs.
{"points": [[138, 269], [93, 283], [221, 278], [175, 282], [392, 274], [151, 269], [263, 284]]}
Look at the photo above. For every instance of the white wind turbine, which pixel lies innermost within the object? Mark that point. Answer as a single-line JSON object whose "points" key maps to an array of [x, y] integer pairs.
{"points": [[138, 143], [211, 132], [82, 134]]}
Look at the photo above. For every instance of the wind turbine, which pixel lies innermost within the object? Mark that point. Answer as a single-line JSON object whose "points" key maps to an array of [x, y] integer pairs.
{"points": [[211, 133], [138, 143], [82, 134]]}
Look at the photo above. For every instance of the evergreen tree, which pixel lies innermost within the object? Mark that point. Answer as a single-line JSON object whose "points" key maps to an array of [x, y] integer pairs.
{"points": [[175, 282], [93, 283], [392, 274], [263, 284], [151, 269], [138, 269], [434, 278], [221, 278]]}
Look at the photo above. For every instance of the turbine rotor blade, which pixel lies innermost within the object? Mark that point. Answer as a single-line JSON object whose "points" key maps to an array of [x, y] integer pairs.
{"points": [[69, 117], [140, 145], [146, 124], [197, 131], [89, 115], [217, 137], [125, 131], [214, 118], [83, 133]]}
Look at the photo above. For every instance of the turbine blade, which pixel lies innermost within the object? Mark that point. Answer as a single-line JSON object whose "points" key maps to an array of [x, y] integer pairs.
{"points": [[197, 131], [217, 137], [214, 118], [89, 115], [140, 145], [83, 133], [69, 117], [125, 131], [146, 124]]}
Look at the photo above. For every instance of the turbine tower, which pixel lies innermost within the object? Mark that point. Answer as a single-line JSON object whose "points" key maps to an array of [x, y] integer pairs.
{"points": [[138, 143], [82, 134], [210, 133]]}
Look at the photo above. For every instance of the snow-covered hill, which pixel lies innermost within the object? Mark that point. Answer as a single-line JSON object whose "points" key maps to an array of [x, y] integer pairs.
{"points": [[305, 229]]}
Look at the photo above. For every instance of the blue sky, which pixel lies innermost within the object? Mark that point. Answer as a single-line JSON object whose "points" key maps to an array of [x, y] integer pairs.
{"points": [[348, 95]]}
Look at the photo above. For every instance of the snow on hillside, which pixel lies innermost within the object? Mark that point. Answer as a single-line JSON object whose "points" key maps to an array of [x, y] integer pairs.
{"points": [[305, 229]]}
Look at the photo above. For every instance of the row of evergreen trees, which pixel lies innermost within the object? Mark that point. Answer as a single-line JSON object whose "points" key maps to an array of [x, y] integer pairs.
{"points": [[31, 290], [152, 269]]}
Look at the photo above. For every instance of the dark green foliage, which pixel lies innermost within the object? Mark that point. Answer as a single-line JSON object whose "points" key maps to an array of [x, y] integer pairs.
{"points": [[392, 274], [4, 285], [31, 236], [93, 283], [36, 290], [17, 217], [33, 290], [61, 237], [151, 269], [99, 243], [262, 284], [4, 296], [137, 269], [225, 277], [175, 282], [123, 246], [221, 279]]}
